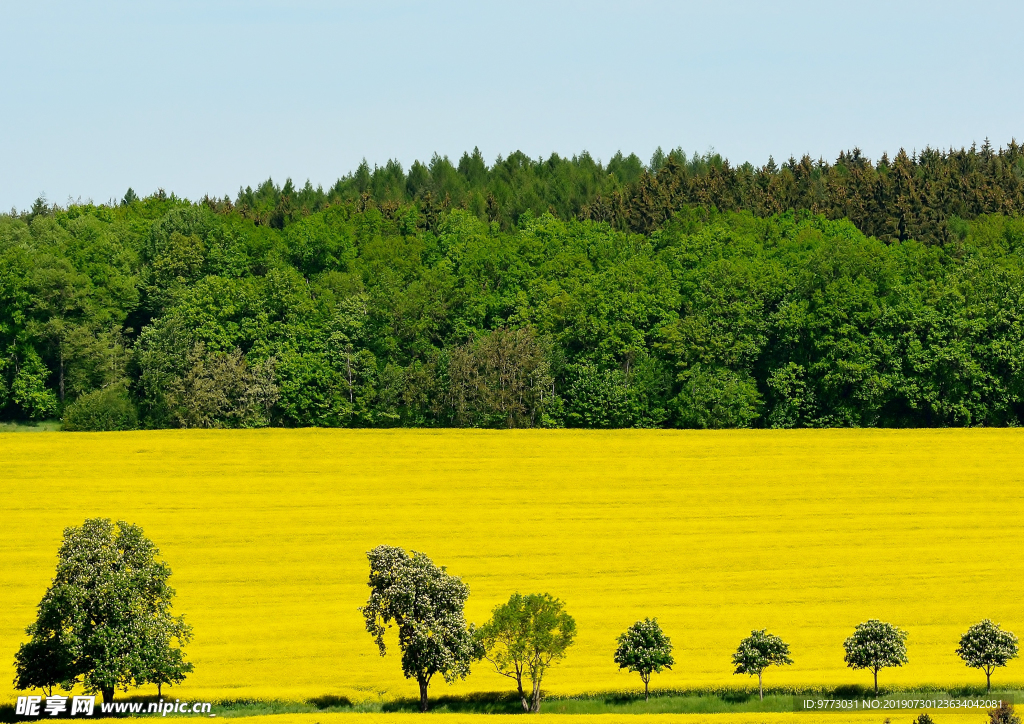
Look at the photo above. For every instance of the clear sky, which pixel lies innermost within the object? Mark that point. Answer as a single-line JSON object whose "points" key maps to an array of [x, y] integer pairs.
{"points": [[207, 96]]}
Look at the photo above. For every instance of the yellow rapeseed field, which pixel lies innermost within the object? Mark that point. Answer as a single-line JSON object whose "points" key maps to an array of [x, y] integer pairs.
{"points": [[806, 533], [863, 717]]}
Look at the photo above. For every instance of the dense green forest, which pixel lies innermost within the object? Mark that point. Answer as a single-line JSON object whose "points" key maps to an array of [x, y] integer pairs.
{"points": [[684, 292]]}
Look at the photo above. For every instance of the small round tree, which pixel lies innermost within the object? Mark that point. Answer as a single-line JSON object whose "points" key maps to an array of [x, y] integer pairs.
{"points": [[645, 649], [757, 652], [876, 645], [985, 646]]}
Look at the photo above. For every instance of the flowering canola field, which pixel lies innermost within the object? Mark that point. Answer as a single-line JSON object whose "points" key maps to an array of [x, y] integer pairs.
{"points": [[965, 716], [806, 533]]}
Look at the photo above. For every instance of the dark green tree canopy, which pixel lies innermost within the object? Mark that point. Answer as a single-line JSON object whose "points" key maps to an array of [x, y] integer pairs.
{"points": [[687, 293], [919, 195], [645, 649], [105, 620], [426, 604]]}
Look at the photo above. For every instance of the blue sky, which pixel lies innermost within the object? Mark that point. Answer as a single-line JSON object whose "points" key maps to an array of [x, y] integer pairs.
{"points": [[204, 97]]}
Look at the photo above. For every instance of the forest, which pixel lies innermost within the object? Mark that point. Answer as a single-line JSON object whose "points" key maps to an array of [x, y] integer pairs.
{"points": [[681, 293]]}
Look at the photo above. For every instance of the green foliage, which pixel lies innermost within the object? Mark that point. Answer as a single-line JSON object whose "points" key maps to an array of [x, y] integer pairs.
{"points": [[645, 649], [716, 398], [985, 646], [793, 401], [499, 380], [320, 242], [426, 604], [611, 398], [524, 638], [46, 661], [105, 620], [925, 196], [476, 296], [28, 388], [102, 410], [221, 389], [757, 652], [876, 645]]}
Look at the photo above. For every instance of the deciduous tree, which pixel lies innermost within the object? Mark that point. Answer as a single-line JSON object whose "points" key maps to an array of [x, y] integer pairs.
{"points": [[105, 620], [876, 645], [986, 646], [757, 652], [524, 638], [645, 649], [500, 380], [220, 389], [426, 604]]}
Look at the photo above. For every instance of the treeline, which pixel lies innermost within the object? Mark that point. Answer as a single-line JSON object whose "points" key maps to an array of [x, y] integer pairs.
{"points": [[162, 313], [910, 196]]}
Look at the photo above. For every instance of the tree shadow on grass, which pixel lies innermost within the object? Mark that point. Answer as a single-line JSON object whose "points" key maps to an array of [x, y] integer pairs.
{"points": [[330, 701], [478, 703], [854, 691]]}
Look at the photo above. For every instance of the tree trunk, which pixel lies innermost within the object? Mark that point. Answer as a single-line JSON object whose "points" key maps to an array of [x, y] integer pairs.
{"points": [[158, 694], [760, 685], [647, 695], [348, 367], [536, 697], [423, 692], [108, 694], [988, 680], [876, 683], [522, 694]]}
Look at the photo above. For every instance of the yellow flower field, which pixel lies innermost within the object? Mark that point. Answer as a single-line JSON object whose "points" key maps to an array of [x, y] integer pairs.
{"points": [[898, 717], [806, 533]]}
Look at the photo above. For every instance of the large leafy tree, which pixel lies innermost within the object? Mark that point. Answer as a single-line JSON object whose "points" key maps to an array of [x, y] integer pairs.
{"points": [[645, 649], [876, 645], [409, 591], [524, 638], [986, 646], [757, 652], [105, 620]]}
